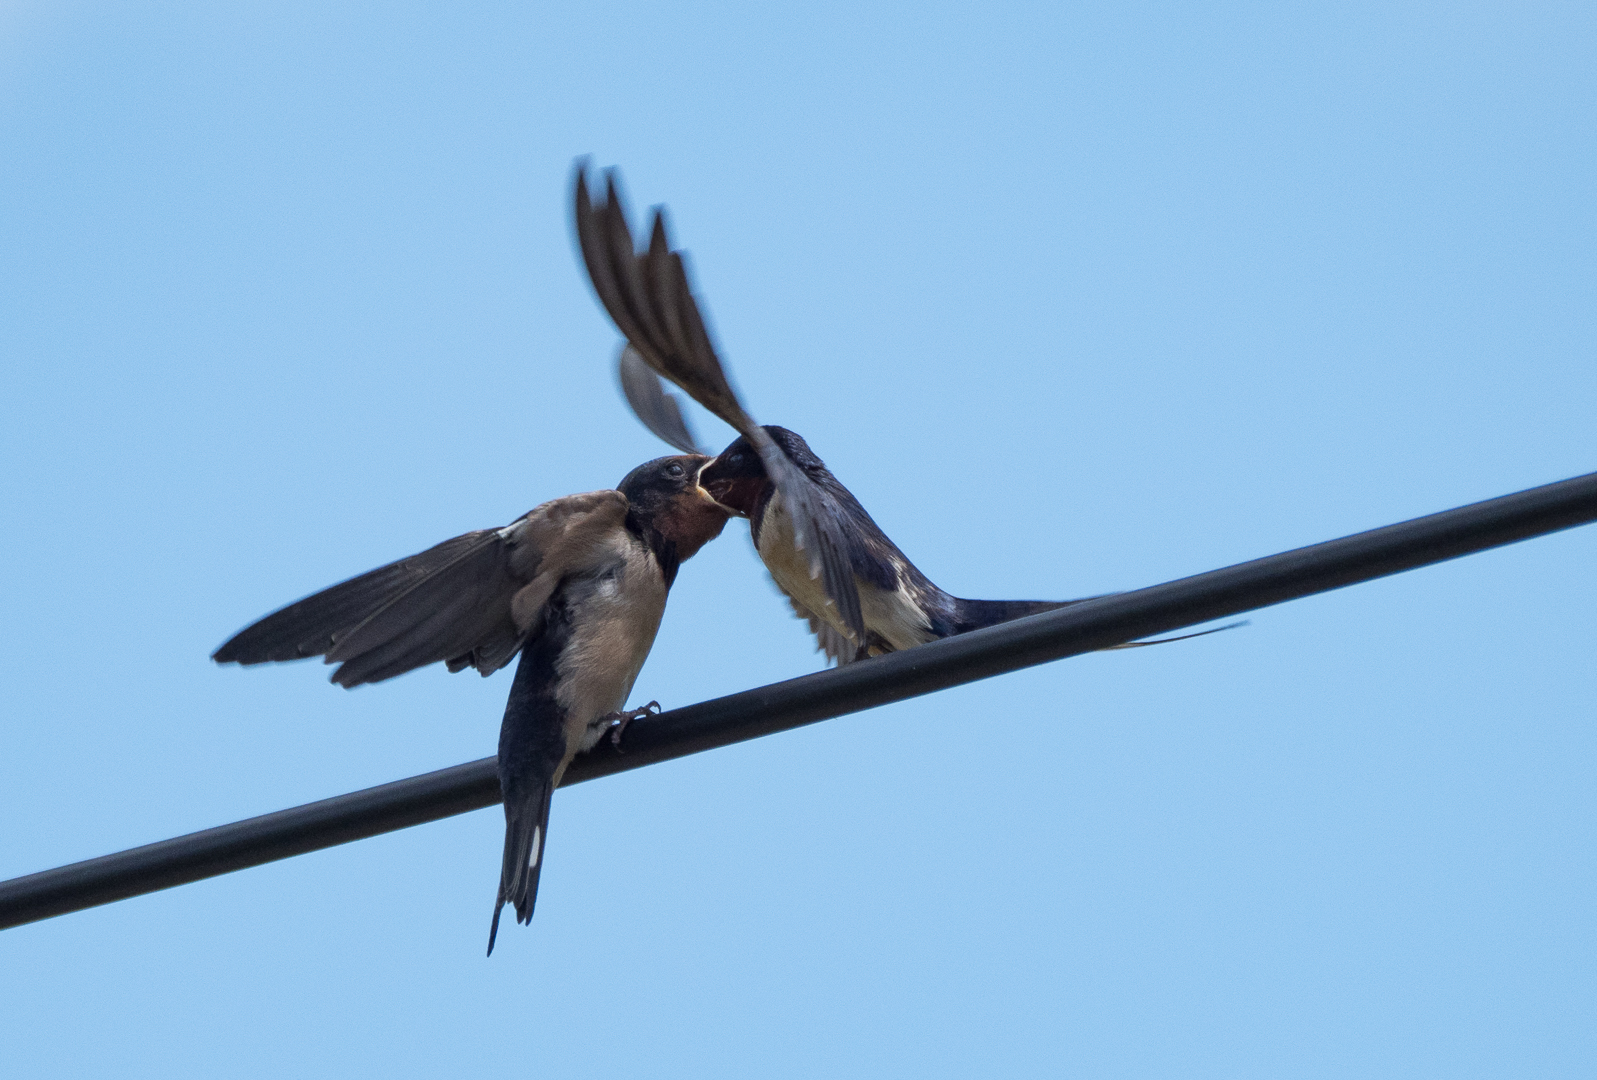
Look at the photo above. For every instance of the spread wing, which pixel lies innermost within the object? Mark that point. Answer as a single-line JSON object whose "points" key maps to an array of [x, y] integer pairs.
{"points": [[650, 298], [659, 411], [470, 602]]}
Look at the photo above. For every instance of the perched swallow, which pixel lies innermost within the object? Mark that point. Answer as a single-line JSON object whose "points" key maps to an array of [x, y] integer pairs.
{"points": [[577, 585], [901, 606], [860, 594]]}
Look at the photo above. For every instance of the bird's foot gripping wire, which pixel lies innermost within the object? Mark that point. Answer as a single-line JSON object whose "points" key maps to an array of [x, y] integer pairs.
{"points": [[620, 720]]}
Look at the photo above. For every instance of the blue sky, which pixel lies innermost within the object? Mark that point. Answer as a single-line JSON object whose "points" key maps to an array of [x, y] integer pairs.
{"points": [[1074, 298]]}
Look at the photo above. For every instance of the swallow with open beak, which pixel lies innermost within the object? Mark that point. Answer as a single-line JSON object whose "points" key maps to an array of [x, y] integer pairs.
{"points": [[901, 607], [860, 594], [577, 586]]}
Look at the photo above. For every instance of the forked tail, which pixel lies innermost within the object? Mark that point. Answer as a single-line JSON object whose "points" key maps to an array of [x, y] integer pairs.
{"points": [[526, 828], [532, 755]]}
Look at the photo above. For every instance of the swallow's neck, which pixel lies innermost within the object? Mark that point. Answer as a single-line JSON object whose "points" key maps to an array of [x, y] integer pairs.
{"points": [[677, 531], [662, 546]]}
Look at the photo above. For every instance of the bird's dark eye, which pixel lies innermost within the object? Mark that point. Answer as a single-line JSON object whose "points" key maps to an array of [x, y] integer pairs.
{"points": [[673, 470], [735, 459]]}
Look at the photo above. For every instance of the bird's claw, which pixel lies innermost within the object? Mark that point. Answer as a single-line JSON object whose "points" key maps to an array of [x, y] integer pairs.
{"points": [[620, 720]]}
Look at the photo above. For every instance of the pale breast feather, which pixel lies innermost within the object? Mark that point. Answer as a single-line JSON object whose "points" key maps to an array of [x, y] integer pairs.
{"points": [[615, 610], [892, 614], [789, 566]]}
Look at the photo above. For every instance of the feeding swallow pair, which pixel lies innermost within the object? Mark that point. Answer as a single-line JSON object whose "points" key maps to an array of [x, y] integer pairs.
{"points": [[578, 585]]}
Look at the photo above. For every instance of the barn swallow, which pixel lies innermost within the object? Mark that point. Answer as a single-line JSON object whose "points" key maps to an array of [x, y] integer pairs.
{"points": [[901, 606], [577, 585], [859, 593]]}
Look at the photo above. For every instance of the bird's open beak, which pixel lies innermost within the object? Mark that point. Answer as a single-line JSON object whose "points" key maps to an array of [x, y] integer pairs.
{"points": [[706, 497], [715, 490]]}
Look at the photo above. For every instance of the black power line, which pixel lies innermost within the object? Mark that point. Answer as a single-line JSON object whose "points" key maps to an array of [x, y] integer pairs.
{"points": [[1080, 628]]}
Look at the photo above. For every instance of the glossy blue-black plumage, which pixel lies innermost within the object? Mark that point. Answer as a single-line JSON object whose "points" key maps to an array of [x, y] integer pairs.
{"points": [[737, 478], [531, 746]]}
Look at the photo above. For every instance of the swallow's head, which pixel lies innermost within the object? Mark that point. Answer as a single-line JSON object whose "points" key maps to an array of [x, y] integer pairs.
{"points": [[665, 496], [736, 478]]}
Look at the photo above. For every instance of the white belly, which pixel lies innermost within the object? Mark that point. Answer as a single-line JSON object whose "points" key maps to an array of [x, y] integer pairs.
{"points": [[615, 619], [890, 614]]}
